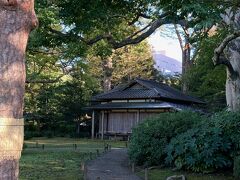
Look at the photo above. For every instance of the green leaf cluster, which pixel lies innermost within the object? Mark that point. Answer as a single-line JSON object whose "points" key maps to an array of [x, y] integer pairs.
{"points": [[202, 149], [236, 170], [204, 79], [188, 140], [150, 138]]}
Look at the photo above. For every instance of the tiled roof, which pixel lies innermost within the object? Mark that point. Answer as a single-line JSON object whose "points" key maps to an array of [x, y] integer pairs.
{"points": [[130, 93], [166, 91], [151, 89]]}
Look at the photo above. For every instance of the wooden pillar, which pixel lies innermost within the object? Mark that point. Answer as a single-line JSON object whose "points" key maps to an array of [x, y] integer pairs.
{"points": [[93, 123], [107, 123], [138, 116], [102, 125]]}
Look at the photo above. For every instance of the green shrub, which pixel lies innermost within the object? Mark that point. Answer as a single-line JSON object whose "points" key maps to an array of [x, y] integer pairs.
{"points": [[229, 122], [150, 138], [236, 169], [199, 149]]}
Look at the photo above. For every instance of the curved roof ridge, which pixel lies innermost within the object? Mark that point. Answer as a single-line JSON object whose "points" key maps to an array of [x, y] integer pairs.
{"points": [[166, 88], [153, 89]]}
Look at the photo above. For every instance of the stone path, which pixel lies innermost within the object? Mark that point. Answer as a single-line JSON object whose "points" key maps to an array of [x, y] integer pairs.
{"points": [[110, 166]]}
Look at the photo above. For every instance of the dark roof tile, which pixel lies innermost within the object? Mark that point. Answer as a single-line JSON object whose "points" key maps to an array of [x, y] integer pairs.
{"points": [[152, 89]]}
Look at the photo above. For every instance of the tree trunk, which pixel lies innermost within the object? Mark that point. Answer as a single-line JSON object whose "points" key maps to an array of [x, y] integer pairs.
{"points": [[17, 19], [233, 76], [186, 55], [228, 54], [107, 73], [186, 65], [233, 94]]}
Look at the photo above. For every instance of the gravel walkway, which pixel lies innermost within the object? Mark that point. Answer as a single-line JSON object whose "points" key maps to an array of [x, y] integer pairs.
{"points": [[110, 166]]}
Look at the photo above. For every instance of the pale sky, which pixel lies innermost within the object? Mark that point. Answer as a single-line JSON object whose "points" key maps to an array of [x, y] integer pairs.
{"points": [[163, 43]]}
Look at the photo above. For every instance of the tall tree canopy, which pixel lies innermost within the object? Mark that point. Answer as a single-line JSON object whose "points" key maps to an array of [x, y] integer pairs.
{"points": [[92, 21], [204, 79], [68, 28], [125, 64]]}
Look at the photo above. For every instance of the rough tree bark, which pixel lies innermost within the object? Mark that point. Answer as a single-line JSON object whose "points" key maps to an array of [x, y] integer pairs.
{"points": [[107, 73], [17, 19], [228, 53]]}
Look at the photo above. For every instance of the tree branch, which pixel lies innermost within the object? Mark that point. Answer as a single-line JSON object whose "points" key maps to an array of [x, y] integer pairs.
{"points": [[218, 52], [223, 60], [139, 31], [155, 25], [137, 18], [179, 37], [127, 41]]}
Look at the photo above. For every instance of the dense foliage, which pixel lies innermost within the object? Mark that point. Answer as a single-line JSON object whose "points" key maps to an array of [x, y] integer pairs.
{"points": [[229, 122], [204, 79], [150, 138], [126, 63], [187, 141], [236, 169], [200, 149]]}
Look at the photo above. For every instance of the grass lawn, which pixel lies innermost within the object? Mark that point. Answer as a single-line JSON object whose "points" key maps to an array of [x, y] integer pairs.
{"points": [[59, 160], [162, 174]]}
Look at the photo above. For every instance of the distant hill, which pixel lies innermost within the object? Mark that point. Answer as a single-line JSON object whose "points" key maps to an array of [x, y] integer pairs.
{"points": [[165, 64]]}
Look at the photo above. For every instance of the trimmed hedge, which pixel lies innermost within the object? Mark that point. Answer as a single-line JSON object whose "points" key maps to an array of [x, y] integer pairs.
{"points": [[150, 138]]}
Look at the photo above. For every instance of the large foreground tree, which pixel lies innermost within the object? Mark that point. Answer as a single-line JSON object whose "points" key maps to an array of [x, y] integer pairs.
{"points": [[228, 54], [17, 19]]}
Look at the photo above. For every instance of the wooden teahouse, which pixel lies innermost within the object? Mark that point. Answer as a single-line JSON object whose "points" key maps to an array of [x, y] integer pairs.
{"points": [[123, 107]]}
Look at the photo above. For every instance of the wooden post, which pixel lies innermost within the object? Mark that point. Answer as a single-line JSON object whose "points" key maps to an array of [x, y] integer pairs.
{"points": [[133, 167], [102, 125], [82, 166], [93, 122], [90, 156], [138, 116], [146, 174]]}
